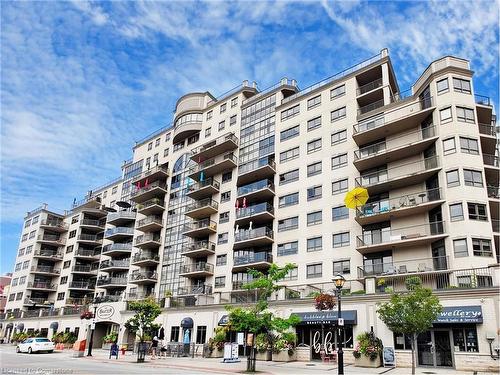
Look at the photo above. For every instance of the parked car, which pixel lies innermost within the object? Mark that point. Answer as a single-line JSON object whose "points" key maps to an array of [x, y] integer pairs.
{"points": [[35, 344]]}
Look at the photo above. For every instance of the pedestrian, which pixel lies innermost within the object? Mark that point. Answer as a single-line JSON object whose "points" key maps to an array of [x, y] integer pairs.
{"points": [[154, 347]]}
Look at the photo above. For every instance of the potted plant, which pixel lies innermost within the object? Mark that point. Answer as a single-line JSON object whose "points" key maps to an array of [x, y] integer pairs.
{"points": [[324, 301], [216, 343], [68, 339], [87, 315], [284, 347], [109, 339], [367, 351]]}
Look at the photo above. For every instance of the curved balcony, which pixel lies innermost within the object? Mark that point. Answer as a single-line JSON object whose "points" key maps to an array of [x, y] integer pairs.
{"points": [[260, 260], [54, 225], [112, 282], [199, 269], [147, 192], [200, 229], [212, 167], [202, 208], [121, 217], [85, 269], [159, 172], [114, 265], [220, 145], [263, 168], [49, 254], [186, 129], [117, 249], [148, 241], [45, 270], [257, 214], [253, 237], [93, 225], [145, 259], [203, 189], [154, 206], [89, 239], [197, 249], [151, 223], [147, 277], [118, 233], [258, 190], [51, 239]]}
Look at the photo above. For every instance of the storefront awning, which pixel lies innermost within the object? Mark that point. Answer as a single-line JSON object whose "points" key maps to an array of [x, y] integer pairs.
{"points": [[223, 320], [327, 317], [460, 314], [54, 325], [20, 327], [187, 323]]}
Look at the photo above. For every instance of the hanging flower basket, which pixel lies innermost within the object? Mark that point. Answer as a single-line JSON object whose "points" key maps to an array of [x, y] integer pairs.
{"points": [[324, 301], [87, 315]]}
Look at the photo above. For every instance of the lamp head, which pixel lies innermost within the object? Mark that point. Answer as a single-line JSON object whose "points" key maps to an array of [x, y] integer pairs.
{"points": [[339, 281]]}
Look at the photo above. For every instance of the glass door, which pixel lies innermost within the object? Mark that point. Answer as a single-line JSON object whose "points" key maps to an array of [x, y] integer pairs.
{"points": [[442, 344], [434, 349], [425, 349]]}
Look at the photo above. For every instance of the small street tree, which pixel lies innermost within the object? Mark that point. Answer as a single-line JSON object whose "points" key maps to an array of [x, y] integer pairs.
{"points": [[411, 312], [257, 318], [146, 311]]}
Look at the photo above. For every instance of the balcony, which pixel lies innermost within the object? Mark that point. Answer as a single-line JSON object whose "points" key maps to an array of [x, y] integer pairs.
{"points": [[370, 107], [112, 282], [200, 269], [262, 190], [213, 166], [35, 301], [488, 129], [393, 121], [260, 260], [264, 168], [45, 270], [371, 86], [400, 176], [406, 237], [194, 290], [148, 241], [93, 225], [145, 259], [203, 189], [253, 237], [119, 233], [114, 265], [493, 192], [187, 125], [138, 296], [89, 239], [48, 254], [401, 206], [159, 172], [491, 161], [154, 206], [121, 217], [81, 285], [91, 254], [495, 225], [482, 100], [220, 145], [151, 223], [108, 298], [75, 301], [117, 249], [202, 209], [197, 249], [240, 285], [200, 229], [147, 277], [407, 267], [85, 269], [257, 214], [148, 192], [51, 239], [54, 225], [394, 149]]}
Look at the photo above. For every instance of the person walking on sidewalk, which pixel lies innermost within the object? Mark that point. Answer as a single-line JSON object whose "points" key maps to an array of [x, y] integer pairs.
{"points": [[154, 347]]}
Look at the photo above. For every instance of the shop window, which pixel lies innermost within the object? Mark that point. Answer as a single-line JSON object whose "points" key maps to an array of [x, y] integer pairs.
{"points": [[201, 334], [174, 334], [401, 341], [465, 340]]}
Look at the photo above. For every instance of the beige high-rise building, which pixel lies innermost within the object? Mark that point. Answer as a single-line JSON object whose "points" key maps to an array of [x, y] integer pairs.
{"points": [[257, 177]]}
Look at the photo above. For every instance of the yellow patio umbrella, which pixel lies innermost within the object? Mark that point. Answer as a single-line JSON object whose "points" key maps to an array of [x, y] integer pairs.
{"points": [[356, 197]]}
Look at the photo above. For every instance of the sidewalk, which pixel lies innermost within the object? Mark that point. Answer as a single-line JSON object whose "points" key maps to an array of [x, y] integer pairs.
{"points": [[200, 365]]}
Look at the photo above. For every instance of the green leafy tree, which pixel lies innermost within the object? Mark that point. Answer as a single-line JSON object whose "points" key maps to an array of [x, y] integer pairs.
{"points": [[411, 312], [257, 319], [146, 311]]}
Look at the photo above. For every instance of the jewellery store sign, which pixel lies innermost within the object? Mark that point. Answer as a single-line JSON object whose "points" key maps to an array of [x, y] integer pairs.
{"points": [[460, 314]]}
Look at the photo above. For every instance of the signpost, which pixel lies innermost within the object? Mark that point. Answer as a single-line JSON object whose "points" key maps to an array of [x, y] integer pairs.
{"points": [[389, 356]]}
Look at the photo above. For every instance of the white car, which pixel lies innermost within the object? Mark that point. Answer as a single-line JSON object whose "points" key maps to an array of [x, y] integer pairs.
{"points": [[35, 344]]}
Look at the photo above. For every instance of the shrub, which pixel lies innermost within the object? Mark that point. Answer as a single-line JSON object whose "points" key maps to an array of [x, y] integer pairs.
{"points": [[412, 282], [218, 341], [368, 345]]}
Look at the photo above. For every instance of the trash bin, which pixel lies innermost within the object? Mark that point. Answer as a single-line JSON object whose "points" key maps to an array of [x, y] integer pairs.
{"points": [[79, 348]]}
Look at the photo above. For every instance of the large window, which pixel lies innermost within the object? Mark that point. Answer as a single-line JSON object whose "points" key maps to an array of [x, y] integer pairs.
{"points": [[290, 133], [340, 186], [465, 339], [460, 248], [452, 178], [445, 114], [288, 155], [343, 267], [456, 212], [340, 213], [314, 218], [314, 270], [288, 248], [290, 112], [220, 282], [314, 123], [461, 85], [337, 91], [442, 85], [201, 334], [288, 200], [339, 161], [449, 146], [288, 224], [473, 178], [314, 169], [314, 146], [469, 146], [481, 247], [314, 192], [465, 115], [288, 177], [477, 211], [339, 137], [338, 114], [341, 239], [315, 244], [314, 102]]}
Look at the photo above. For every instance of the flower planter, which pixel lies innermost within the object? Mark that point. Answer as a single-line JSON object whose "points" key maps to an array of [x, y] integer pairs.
{"points": [[283, 356], [262, 355], [365, 361], [106, 345], [217, 353]]}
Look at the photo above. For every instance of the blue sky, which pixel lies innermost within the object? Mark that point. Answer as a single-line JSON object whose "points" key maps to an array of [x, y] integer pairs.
{"points": [[82, 80]]}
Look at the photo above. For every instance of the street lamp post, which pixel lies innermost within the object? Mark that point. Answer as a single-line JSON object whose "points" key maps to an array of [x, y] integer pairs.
{"points": [[92, 329], [339, 281]]}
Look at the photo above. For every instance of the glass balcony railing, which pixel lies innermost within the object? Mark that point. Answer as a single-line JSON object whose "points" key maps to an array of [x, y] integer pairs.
{"points": [[103, 281], [195, 289], [256, 164], [148, 275], [51, 238], [253, 258], [54, 223], [85, 267], [112, 216], [117, 231], [369, 87], [216, 142], [158, 169], [197, 267], [245, 235], [491, 160], [149, 220], [156, 184], [89, 238], [48, 253], [487, 129], [207, 202], [149, 203], [141, 257], [404, 267], [45, 269], [117, 247], [199, 245], [109, 263], [87, 252], [481, 99], [493, 192], [213, 161], [150, 237], [81, 285], [495, 225], [202, 184], [92, 222], [38, 301], [255, 186], [201, 224], [254, 210]]}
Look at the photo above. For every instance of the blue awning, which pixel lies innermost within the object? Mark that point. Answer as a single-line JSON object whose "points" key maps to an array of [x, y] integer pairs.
{"points": [[187, 323], [327, 317], [460, 314], [54, 325], [223, 320]]}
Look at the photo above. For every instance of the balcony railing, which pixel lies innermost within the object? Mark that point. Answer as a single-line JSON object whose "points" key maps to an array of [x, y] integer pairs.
{"points": [[81, 285], [245, 235], [216, 142], [369, 86], [150, 237], [149, 172], [255, 186], [201, 224], [149, 220], [491, 160], [118, 230], [198, 245], [495, 224], [122, 263], [481, 99], [54, 223], [213, 161], [195, 289], [254, 210], [108, 298], [92, 222], [38, 301], [256, 164], [50, 312], [140, 257], [403, 201], [493, 191], [49, 253], [253, 258], [404, 267], [388, 235], [148, 275], [112, 216], [151, 202], [78, 301], [156, 184], [207, 202], [202, 184], [89, 237], [403, 170], [385, 146], [371, 107], [111, 281], [85, 268], [41, 285], [45, 269], [51, 238], [138, 296], [197, 267], [87, 253], [240, 284], [488, 129]]}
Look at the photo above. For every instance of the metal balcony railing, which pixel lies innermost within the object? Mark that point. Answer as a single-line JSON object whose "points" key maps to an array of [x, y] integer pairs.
{"points": [[108, 298], [205, 223], [404, 267], [256, 164], [481, 99], [51, 238], [89, 237], [138, 296], [156, 184], [202, 184], [139, 257], [121, 215], [195, 289], [54, 223], [488, 129], [213, 161], [255, 186], [240, 284], [150, 237], [41, 285], [92, 222], [217, 141], [78, 301], [207, 202], [118, 230], [81, 285], [197, 267], [253, 258], [254, 210], [282, 82], [149, 172], [149, 220], [111, 281], [87, 252], [151, 202], [371, 107], [122, 263], [49, 253], [491, 160], [85, 267], [50, 312], [198, 245], [148, 275], [245, 235], [495, 224], [493, 191], [388, 235], [45, 269], [37, 301], [369, 86]]}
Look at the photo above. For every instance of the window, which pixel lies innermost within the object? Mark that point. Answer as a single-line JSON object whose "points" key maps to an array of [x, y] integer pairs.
{"points": [[315, 244], [465, 115], [477, 211], [208, 131], [64, 280], [155, 161], [234, 102], [226, 177], [452, 178], [456, 212], [19, 296], [343, 267], [337, 91], [26, 264], [340, 186], [339, 137], [481, 247], [14, 281], [449, 146], [209, 115], [232, 120], [150, 146], [293, 274], [60, 296], [174, 334], [288, 155], [288, 224], [66, 264], [115, 188], [223, 108], [201, 334], [288, 200], [25, 237], [224, 197], [72, 234], [223, 217], [460, 248], [220, 281], [18, 266], [465, 339], [473, 178], [221, 260], [442, 85], [148, 160], [469, 146], [12, 297], [315, 123], [22, 280], [341, 239], [166, 152], [29, 249], [340, 213], [314, 218], [35, 220], [314, 270], [288, 177], [21, 252], [337, 114], [461, 85], [445, 114], [222, 238], [314, 146], [74, 219], [339, 161], [314, 192], [32, 234], [288, 248], [290, 112], [289, 133], [314, 102], [167, 137], [27, 223], [157, 142], [69, 249], [314, 169], [222, 125]]}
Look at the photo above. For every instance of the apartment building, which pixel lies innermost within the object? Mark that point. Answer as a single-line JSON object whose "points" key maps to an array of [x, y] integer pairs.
{"points": [[256, 177]]}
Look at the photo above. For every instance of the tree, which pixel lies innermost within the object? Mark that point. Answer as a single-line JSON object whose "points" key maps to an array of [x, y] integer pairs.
{"points": [[257, 319], [411, 312], [146, 311]]}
